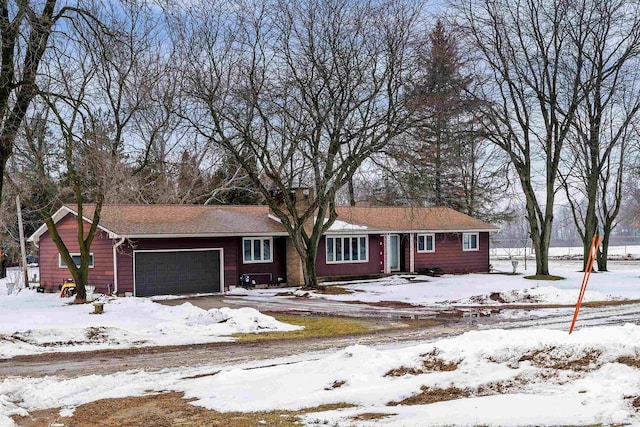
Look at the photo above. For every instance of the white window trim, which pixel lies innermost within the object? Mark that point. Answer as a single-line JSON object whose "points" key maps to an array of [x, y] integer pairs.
{"points": [[477, 248], [349, 261], [260, 261], [91, 264], [425, 250]]}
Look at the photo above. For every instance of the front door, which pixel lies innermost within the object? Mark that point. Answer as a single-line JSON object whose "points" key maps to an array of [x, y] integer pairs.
{"points": [[394, 252]]}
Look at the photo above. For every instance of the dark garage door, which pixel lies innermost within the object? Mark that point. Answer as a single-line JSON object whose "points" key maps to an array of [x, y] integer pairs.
{"points": [[182, 272]]}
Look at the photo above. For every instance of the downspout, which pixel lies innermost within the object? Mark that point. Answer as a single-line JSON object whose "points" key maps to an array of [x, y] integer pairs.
{"points": [[115, 264], [412, 250], [387, 253]]}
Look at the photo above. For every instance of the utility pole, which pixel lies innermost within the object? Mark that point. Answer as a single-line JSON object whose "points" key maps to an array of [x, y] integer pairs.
{"points": [[23, 247]]}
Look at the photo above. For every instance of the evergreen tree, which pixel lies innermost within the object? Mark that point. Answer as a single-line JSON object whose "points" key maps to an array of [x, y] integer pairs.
{"points": [[232, 185], [446, 162]]}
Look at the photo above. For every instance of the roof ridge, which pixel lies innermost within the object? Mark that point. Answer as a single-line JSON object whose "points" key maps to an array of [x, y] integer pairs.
{"points": [[162, 204], [396, 207]]}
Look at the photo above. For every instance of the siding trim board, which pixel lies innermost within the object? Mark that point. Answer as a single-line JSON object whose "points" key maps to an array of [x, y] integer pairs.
{"points": [[221, 258], [59, 215], [197, 236]]}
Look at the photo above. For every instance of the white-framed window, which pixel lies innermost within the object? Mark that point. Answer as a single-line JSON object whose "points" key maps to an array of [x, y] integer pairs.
{"points": [[257, 249], [76, 260], [343, 249], [426, 243], [470, 242]]}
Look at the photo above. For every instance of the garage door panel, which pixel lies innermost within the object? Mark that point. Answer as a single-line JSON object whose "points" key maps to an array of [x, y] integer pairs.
{"points": [[180, 272]]}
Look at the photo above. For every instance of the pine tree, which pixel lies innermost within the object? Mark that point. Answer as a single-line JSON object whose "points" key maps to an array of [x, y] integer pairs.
{"points": [[445, 114]]}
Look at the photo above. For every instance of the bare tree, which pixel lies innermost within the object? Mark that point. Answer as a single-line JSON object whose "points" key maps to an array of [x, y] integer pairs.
{"points": [[609, 31], [95, 84], [25, 29], [613, 176], [535, 67], [309, 89]]}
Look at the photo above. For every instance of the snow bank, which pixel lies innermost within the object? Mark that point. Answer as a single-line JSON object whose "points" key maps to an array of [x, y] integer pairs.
{"points": [[33, 323]]}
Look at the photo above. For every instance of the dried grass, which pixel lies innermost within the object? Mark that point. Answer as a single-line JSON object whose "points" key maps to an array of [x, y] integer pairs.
{"points": [[430, 363], [430, 395]]}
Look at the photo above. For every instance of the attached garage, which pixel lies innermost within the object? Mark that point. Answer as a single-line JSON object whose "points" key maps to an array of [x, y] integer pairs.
{"points": [[177, 272]]}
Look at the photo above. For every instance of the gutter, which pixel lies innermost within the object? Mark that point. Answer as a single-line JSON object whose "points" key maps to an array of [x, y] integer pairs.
{"points": [[115, 264]]}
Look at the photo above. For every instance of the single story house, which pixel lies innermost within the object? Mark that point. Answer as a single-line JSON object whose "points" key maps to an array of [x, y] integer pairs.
{"points": [[179, 249]]}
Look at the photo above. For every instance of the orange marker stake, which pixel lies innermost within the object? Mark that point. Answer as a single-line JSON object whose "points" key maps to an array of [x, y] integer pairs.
{"points": [[595, 244]]}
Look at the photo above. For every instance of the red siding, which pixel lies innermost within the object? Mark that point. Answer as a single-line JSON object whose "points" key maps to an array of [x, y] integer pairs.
{"points": [[268, 272], [233, 266], [350, 268], [450, 257], [51, 275]]}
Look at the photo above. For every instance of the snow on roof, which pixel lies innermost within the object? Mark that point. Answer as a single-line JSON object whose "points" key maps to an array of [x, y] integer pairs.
{"points": [[345, 226]]}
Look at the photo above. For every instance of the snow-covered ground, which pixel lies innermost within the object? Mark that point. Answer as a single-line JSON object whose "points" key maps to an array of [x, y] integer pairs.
{"points": [[483, 289], [32, 323], [494, 377]]}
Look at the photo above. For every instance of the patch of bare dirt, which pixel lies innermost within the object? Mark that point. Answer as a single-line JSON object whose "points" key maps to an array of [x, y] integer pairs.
{"points": [[501, 387], [552, 358], [158, 410], [162, 410], [336, 384], [512, 297], [633, 361], [430, 395], [371, 416], [636, 403], [402, 371], [497, 297], [96, 334], [430, 363], [331, 290]]}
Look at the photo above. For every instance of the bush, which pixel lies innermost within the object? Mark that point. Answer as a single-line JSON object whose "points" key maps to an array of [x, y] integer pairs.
{"points": [[430, 271]]}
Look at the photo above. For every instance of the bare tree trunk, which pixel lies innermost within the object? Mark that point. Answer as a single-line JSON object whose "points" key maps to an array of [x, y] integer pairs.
{"points": [[604, 252], [439, 199], [18, 81], [352, 196]]}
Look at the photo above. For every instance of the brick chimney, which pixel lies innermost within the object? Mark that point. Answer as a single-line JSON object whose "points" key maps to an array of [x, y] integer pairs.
{"points": [[301, 197]]}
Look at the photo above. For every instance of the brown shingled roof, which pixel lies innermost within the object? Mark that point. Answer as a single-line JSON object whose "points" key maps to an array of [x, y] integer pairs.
{"points": [[186, 220], [411, 218], [147, 220]]}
